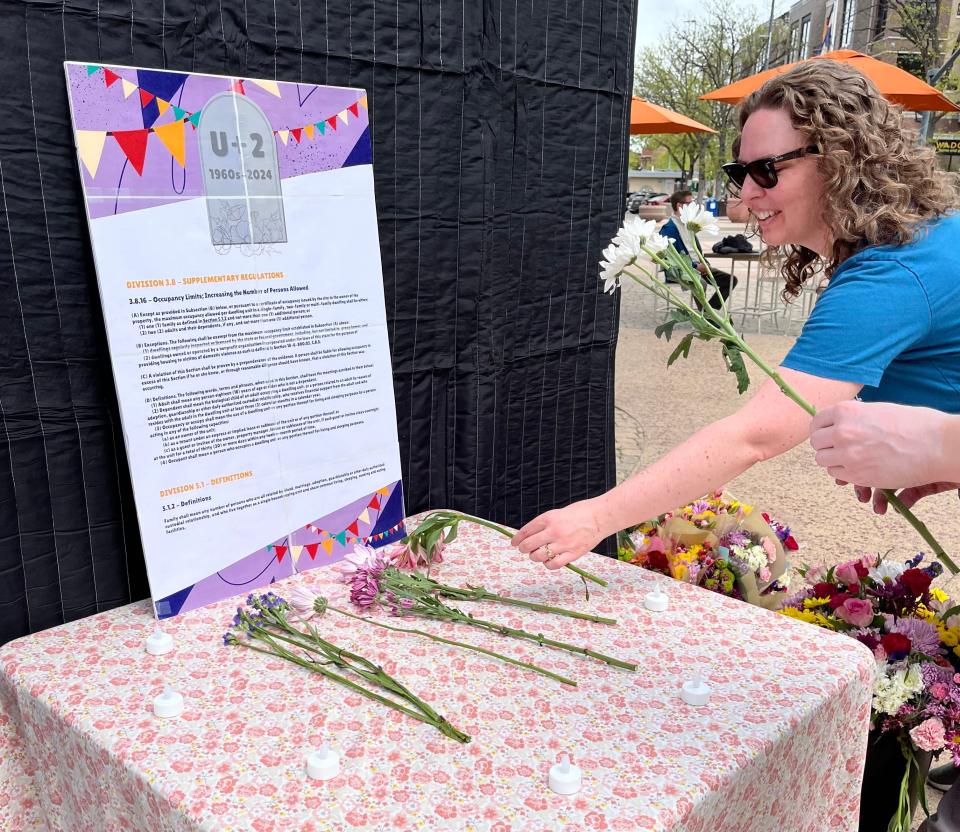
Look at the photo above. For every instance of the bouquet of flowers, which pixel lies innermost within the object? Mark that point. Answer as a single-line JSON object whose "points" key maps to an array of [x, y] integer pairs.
{"points": [[913, 632], [718, 543]]}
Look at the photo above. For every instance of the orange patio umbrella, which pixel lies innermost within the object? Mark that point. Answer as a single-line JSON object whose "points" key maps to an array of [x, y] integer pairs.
{"points": [[650, 118], [895, 84]]}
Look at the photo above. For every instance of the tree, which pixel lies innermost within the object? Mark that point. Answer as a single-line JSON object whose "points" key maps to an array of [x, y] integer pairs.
{"points": [[921, 23], [723, 44]]}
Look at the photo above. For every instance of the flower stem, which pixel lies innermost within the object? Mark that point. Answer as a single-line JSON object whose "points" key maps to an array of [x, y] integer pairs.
{"points": [[456, 516], [271, 625], [420, 584], [431, 607], [526, 665], [316, 667]]}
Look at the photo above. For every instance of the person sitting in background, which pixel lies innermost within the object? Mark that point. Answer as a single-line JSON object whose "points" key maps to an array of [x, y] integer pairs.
{"points": [[677, 231]]}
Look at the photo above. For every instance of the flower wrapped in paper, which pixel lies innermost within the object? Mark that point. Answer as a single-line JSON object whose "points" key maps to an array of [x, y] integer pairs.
{"points": [[716, 542]]}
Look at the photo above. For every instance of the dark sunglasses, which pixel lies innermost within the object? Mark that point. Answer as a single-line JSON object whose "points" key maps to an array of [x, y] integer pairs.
{"points": [[762, 171]]}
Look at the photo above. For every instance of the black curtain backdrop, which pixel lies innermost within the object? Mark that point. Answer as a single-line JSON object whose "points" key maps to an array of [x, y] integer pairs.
{"points": [[500, 164]]}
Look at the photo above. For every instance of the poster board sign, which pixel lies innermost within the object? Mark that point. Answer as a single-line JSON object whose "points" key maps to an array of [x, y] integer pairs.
{"points": [[234, 232]]}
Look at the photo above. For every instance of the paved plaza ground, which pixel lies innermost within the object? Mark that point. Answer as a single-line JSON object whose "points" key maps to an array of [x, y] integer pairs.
{"points": [[658, 407]]}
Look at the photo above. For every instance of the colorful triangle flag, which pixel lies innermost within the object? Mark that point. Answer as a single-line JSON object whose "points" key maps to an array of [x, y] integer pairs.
{"points": [[162, 105], [353, 528], [327, 545], [341, 538], [309, 131], [363, 102], [128, 87], [296, 551], [279, 551], [110, 77], [321, 126], [364, 517], [194, 118], [283, 134], [91, 68], [172, 136], [312, 549], [354, 107], [178, 114], [383, 491], [238, 87], [332, 121], [374, 502], [343, 117], [270, 86], [296, 133], [145, 98], [133, 143], [90, 148]]}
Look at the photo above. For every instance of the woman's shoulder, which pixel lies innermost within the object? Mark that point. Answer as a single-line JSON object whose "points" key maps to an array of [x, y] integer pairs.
{"points": [[936, 244]]}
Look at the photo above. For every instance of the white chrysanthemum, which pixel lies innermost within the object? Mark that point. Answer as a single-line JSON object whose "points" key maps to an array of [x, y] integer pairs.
{"points": [[657, 243], [891, 692], [615, 260], [886, 569], [635, 234], [753, 556], [699, 220]]}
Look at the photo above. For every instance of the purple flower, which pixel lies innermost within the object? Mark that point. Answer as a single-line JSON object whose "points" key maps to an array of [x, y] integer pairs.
{"points": [[922, 634], [365, 584], [736, 539]]}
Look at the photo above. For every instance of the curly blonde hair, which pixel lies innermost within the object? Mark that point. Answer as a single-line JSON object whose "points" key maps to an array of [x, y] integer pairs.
{"points": [[879, 188]]}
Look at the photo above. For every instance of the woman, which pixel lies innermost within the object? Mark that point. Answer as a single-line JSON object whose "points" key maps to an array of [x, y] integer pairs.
{"points": [[832, 182]]}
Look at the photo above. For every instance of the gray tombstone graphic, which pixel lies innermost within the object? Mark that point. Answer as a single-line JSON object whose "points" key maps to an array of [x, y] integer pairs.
{"points": [[241, 175]]}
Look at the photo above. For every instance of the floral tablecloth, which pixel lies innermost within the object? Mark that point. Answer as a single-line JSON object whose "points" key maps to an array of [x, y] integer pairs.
{"points": [[780, 746]]}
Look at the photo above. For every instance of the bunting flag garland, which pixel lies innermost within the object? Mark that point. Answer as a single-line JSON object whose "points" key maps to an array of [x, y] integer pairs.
{"points": [[90, 147], [271, 87], [351, 534], [133, 143], [172, 136]]}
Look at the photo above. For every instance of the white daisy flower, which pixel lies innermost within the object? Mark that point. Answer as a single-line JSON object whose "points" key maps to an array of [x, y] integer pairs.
{"points": [[699, 220]]}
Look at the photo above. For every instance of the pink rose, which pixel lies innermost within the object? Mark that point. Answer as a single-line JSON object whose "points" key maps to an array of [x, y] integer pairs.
{"points": [[847, 573], [928, 735], [765, 574], [767, 544], [856, 612]]}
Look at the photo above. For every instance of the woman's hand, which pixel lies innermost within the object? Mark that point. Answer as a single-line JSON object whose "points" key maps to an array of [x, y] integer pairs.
{"points": [[885, 446], [555, 538], [908, 496]]}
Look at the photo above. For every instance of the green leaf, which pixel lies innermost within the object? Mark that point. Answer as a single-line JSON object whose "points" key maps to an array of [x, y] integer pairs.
{"points": [[683, 348], [734, 360], [665, 329]]}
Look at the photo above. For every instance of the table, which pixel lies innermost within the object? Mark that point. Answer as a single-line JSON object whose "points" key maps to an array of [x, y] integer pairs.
{"points": [[755, 303], [780, 746]]}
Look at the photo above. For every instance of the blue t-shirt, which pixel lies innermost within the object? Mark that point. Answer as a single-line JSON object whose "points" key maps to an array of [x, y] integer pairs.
{"points": [[890, 320]]}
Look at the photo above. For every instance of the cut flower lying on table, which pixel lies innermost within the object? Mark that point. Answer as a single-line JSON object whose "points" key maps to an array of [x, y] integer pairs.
{"points": [[914, 634]]}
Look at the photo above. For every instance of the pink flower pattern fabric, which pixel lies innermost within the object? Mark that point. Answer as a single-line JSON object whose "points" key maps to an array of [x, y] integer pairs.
{"points": [[780, 745]]}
